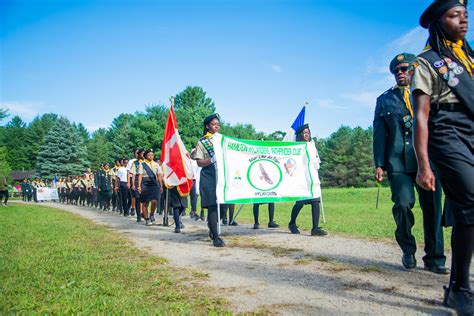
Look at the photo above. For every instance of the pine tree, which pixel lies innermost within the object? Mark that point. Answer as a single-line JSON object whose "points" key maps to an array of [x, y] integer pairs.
{"points": [[63, 152]]}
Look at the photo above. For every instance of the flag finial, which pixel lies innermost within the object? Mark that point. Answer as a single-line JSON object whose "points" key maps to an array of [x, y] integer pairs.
{"points": [[172, 101]]}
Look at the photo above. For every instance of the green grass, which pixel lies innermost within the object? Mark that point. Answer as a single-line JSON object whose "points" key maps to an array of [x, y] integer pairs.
{"points": [[53, 262], [348, 212]]}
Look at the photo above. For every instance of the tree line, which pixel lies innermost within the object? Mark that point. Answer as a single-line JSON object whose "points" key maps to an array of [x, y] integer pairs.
{"points": [[52, 145]]}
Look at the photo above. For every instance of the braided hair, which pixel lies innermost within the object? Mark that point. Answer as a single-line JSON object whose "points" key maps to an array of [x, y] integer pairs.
{"points": [[437, 41]]}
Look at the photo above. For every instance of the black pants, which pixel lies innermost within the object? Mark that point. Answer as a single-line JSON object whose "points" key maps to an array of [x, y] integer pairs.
{"points": [[194, 197], [105, 199], [402, 186], [35, 196], [314, 211], [177, 211], [212, 220], [4, 195], [271, 212], [124, 198]]}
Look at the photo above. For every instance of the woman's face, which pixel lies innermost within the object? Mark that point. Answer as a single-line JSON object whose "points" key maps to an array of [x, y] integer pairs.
{"points": [[454, 23], [306, 135], [214, 126], [150, 156]]}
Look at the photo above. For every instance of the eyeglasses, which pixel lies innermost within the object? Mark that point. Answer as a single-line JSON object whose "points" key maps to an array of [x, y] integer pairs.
{"points": [[402, 69]]}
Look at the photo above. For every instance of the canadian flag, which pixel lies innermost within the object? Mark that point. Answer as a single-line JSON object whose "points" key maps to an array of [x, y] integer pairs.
{"points": [[177, 166]]}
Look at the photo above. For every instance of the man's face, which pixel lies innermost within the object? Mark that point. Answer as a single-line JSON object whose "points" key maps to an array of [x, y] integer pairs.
{"points": [[401, 74]]}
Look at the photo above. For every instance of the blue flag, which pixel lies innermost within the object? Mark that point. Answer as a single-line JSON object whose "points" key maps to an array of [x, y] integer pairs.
{"points": [[299, 121]]}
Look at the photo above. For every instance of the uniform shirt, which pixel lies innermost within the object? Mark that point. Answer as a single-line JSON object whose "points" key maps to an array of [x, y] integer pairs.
{"points": [[122, 174], [154, 166], [130, 164], [3, 184], [427, 80], [134, 169], [201, 152]]}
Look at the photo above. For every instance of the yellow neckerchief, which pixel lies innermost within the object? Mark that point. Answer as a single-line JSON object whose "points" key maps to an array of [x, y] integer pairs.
{"points": [[150, 163], [461, 55], [406, 98], [208, 135]]}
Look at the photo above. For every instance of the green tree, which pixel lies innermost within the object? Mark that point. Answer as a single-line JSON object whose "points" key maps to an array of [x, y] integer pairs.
{"points": [[63, 152], [191, 107], [3, 113], [14, 139], [4, 166], [243, 131], [82, 132], [36, 131], [99, 149]]}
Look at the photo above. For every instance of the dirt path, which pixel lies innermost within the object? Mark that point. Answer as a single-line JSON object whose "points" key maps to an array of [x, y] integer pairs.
{"points": [[275, 272]]}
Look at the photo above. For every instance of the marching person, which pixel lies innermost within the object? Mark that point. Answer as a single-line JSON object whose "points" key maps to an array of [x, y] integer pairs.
{"points": [[116, 199], [271, 214], [3, 190], [208, 177], [105, 186], [394, 153], [83, 190], [134, 182], [150, 177], [443, 86], [124, 191], [303, 134], [75, 189], [178, 204]]}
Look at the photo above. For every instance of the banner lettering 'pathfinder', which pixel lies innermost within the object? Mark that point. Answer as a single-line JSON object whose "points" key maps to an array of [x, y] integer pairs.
{"points": [[47, 194], [252, 171]]}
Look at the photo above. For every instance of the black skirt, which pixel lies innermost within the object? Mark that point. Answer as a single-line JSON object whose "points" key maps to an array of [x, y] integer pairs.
{"points": [[451, 149], [150, 191], [207, 186]]}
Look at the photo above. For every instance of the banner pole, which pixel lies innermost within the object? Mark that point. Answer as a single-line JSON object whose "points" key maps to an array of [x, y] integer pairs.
{"points": [[165, 211], [218, 218], [322, 208], [237, 214]]}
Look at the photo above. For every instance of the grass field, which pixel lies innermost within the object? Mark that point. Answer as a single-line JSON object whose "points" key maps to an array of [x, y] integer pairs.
{"points": [[348, 212], [53, 262]]}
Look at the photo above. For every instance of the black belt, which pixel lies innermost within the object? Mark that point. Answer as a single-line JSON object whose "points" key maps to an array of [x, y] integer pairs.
{"points": [[450, 107]]}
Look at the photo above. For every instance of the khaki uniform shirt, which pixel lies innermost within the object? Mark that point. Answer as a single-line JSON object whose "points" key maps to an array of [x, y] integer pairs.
{"points": [[428, 81], [155, 167], [201, 152]]}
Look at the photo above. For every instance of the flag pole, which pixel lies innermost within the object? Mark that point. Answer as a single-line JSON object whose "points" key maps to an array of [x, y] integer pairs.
{"points": [[218, 219]]}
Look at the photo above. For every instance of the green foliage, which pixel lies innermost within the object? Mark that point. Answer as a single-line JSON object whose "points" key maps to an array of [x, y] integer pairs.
{"points": [[3, 113], [36, 131], [14, 139], [82, 132], [244, 131], [63, 152], [191, 107], [54, 262], [99, 149], [4, 166], [346, 158]]}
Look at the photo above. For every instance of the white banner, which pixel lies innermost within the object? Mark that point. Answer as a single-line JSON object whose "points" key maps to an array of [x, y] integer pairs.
{"points": [[250, 171], [47, 194]]}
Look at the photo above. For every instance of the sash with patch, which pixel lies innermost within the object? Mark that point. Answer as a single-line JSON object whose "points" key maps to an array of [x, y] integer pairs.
{"points": [[455, 75], [150, 173], [206, 142], [83, 184]]}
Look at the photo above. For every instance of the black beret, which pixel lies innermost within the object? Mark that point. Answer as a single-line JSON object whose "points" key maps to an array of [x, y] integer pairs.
{"points": [[400, 59], [208, 119], [147, 152], [434, 12], [302, 128]]}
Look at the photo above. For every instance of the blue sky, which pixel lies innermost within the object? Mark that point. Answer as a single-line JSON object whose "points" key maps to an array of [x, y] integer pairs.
{"points": [[258, 60]]}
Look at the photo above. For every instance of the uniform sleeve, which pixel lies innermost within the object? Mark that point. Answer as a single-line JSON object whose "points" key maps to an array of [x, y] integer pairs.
{"points": [[159, 169], [380, 135], [199, 154], [423, 77], [129, 164], [141, 170]]}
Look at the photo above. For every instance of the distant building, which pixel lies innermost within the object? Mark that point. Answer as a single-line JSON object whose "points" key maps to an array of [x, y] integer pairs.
{"points": [[17, 175]]}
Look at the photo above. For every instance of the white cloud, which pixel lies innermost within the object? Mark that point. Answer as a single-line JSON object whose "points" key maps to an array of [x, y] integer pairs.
{"points": [[276, 68], [329, 104], [366, 98], [25, 109]]}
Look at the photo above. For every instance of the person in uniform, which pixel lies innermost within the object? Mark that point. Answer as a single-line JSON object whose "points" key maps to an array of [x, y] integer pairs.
{"points": [[116, 198], [105, 186], [443, 94], [394, 153], [23, 189], [3, 190], [303, 134], [75, 189], [205, 159], [130, 164], [134, 182], [150, 177], [83, 190], [124, 191], [271, 214], [68, 190]]}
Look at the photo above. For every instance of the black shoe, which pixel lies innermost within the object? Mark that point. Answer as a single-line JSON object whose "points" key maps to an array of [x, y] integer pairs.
{"points": [[318, 232], [461, 300], [409, 261], [139, 219], [273, 225], [177, 230], [293, 229], [233, 223], [446, 295], [165, 222], [437, 269], [133, 212], [224, 221], [256, 226], [217, 242]]}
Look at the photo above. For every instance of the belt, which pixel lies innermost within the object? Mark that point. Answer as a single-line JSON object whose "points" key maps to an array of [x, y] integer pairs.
{"points": [[450, 107]]}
